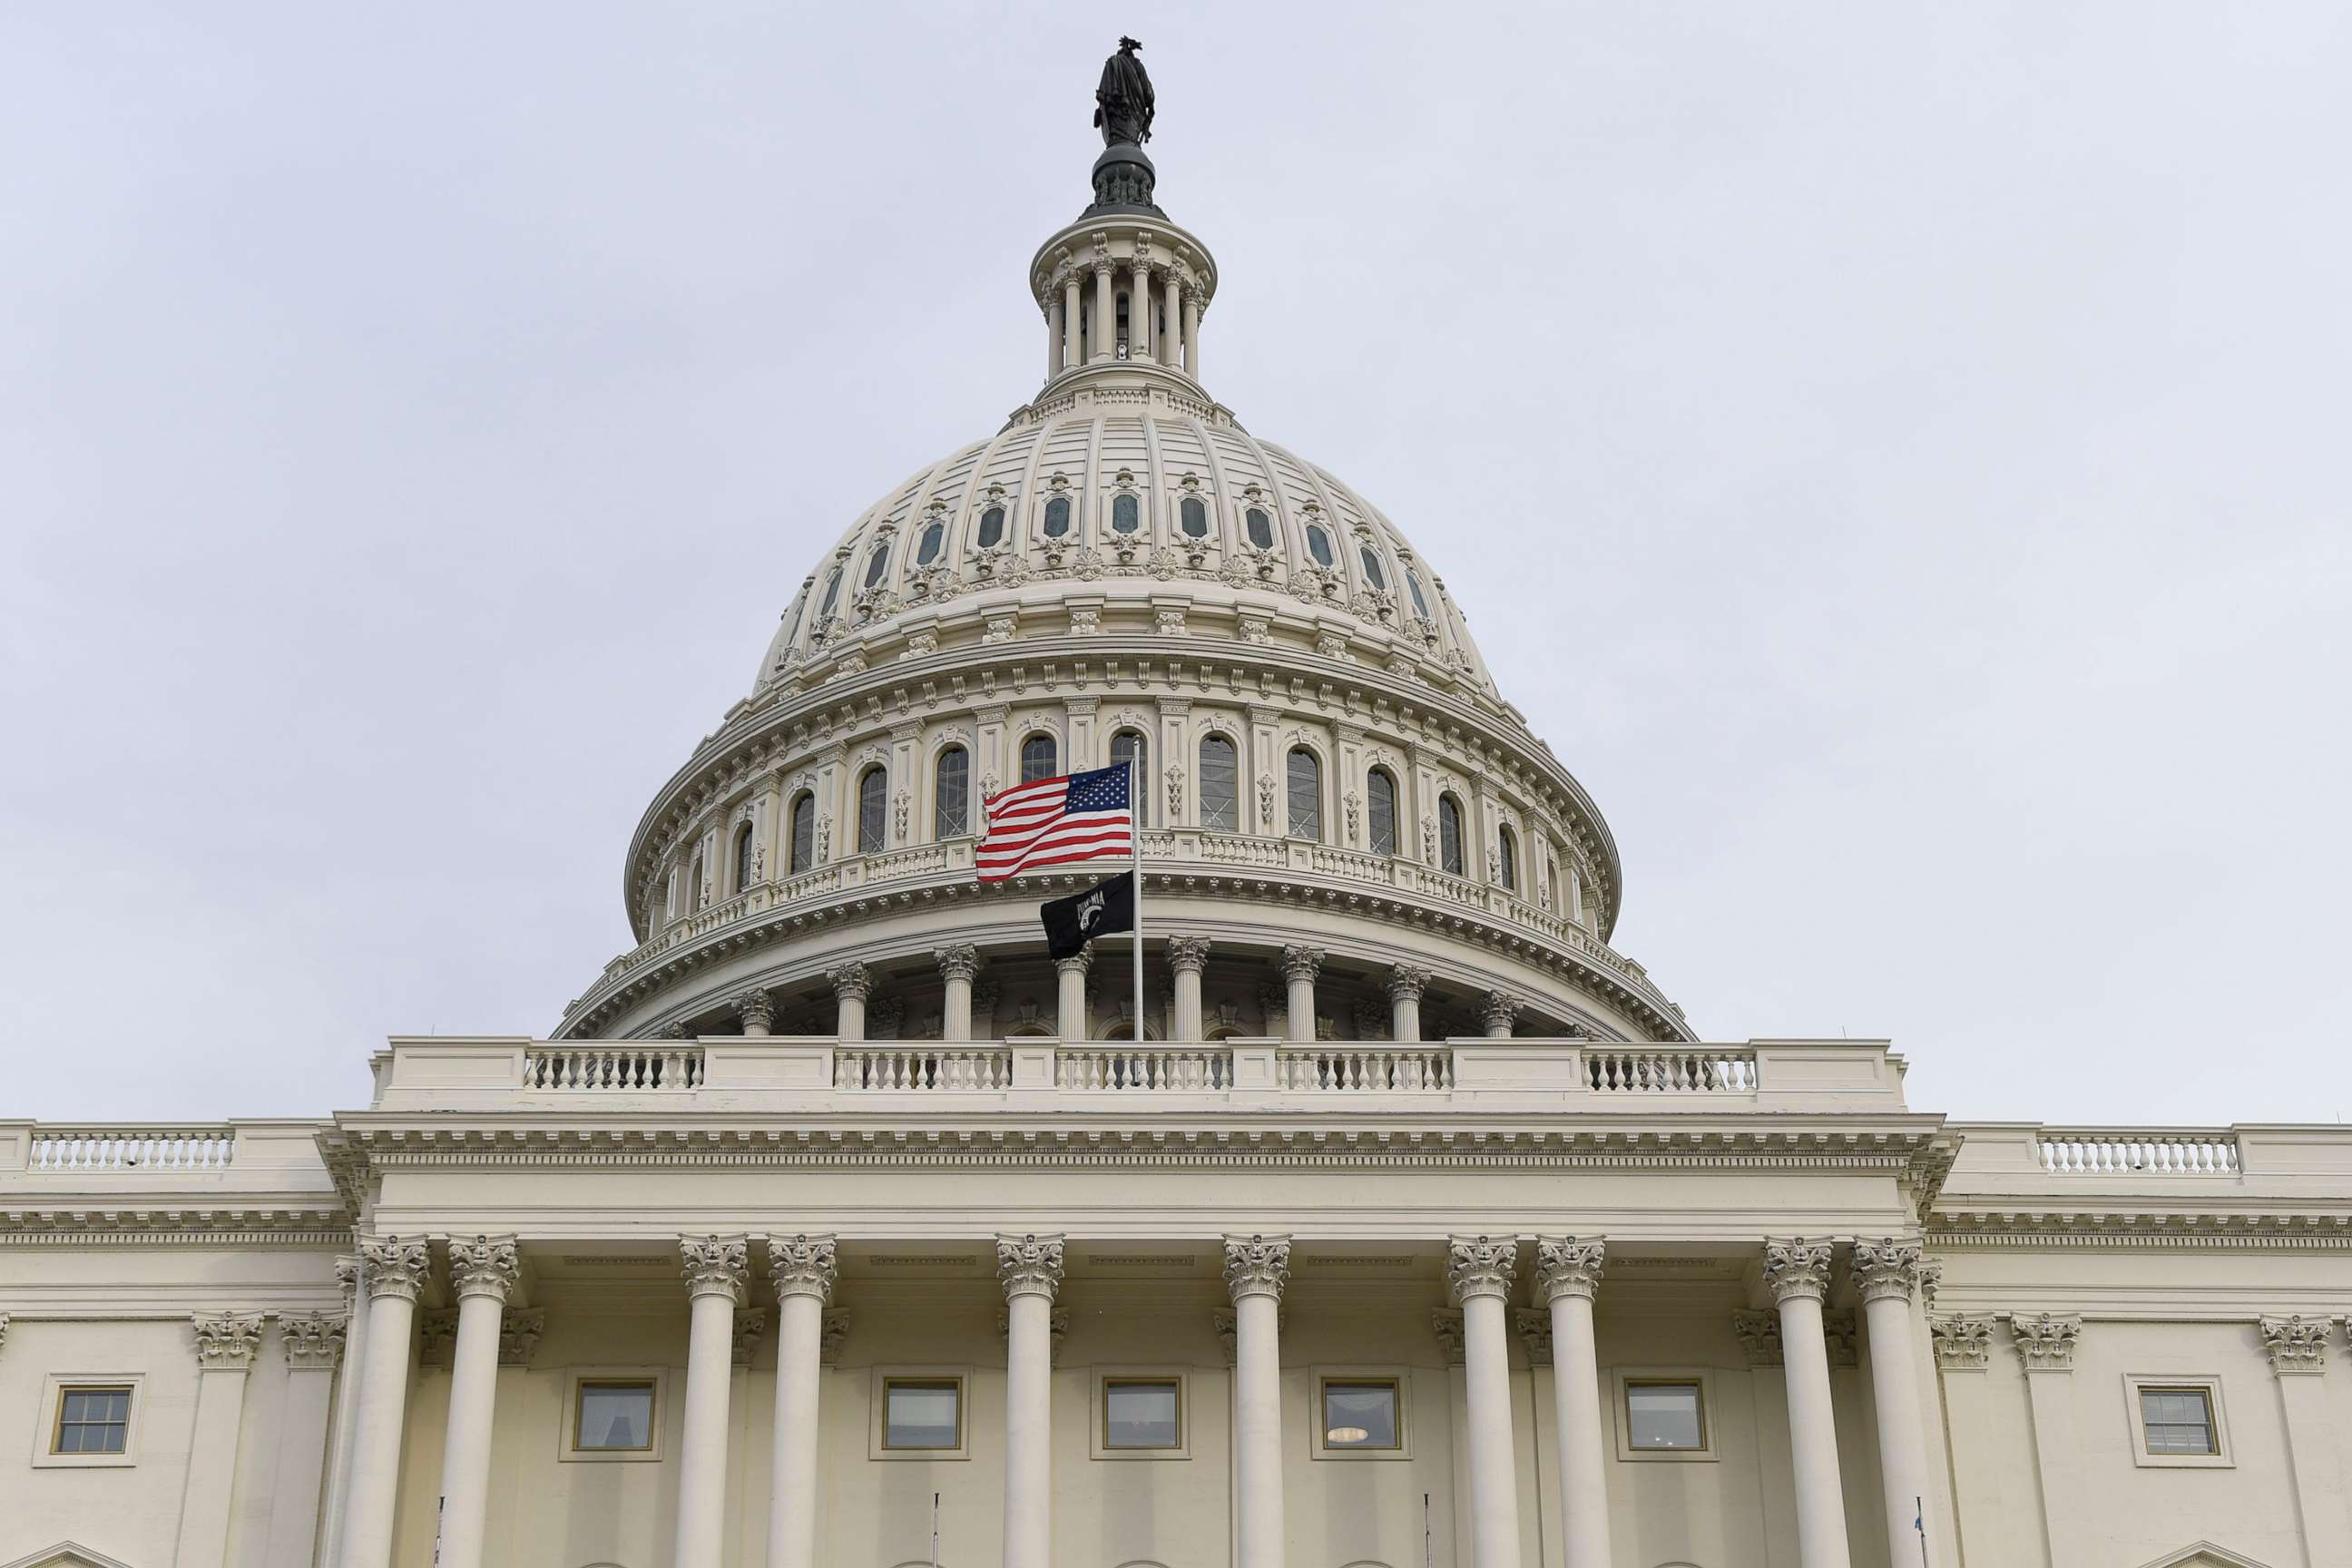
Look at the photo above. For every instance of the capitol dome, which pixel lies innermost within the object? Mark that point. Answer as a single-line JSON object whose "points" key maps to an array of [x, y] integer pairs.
{"points": [[1348, 832]]}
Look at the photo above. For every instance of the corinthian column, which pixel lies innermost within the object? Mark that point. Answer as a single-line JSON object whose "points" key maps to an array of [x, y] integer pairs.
{"points": [[715, 1275], [1188, 956], [1885, 1273], [1171, 317], [804, 1273], [482, 1271], [1104, 322], [1031, 1269], [1257, 1269], [225, 1342], [1498, 1012], [1797, 1271], [396, 1274], [852, 984], [1480, 1269], [1300, 965], [757, 1009], [1070, 1010], [1407, 984], [1074, 348], [959, 966], [1568, 1273]]}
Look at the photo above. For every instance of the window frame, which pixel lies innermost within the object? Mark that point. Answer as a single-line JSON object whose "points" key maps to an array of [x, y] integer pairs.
{"points": [[1052, 763], [1179, 1377], [739, 862], [939, 793], [876, 775], [2224, 1456], [981, 531], [1045, 519], [1397, 1377], [1506, 859], [1374, 777], [1186, 507], [1250, 531], [1239, 822], [46, 1430], [878, 1407], [1624, 1378], [1142, 752], [1290, 795], [1451, 861], [567, 1435], [795, 864]]}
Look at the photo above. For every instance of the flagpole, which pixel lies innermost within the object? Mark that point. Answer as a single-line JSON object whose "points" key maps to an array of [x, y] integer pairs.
{"points": [[1135, 844]]}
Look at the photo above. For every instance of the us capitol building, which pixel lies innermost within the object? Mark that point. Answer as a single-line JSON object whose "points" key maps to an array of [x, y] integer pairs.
{"points": [[1410, 1226]]}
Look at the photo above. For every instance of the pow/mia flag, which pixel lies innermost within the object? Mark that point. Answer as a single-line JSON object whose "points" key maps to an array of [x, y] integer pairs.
{"points": [[1106, 907]]}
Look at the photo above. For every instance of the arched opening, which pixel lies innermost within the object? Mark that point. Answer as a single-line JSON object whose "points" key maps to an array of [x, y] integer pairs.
{"points": [[1126, 747], [694, 883], [803, 834], [952, 794], [1380, 793], [873, 810], [742, 857], [1506, 859], [1305, 793], [1220, 786], [1039, 758], [1449, 834]]}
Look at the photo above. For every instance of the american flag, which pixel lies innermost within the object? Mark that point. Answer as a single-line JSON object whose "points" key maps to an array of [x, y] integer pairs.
{"points": [[1051, 822]]}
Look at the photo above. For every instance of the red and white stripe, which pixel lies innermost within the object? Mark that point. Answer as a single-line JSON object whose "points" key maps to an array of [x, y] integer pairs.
{"points": [[1029, 826]]}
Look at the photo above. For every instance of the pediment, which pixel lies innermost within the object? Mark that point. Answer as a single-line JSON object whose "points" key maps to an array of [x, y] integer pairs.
{"points": [[2204, 1554], [67, 1554]]}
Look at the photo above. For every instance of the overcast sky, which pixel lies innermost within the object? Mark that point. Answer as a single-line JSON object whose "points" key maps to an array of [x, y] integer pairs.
{"points": [[1897, 454]]}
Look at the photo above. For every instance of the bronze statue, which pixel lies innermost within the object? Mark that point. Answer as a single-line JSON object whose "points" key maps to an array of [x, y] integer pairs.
{"points": [[1123, 102]]}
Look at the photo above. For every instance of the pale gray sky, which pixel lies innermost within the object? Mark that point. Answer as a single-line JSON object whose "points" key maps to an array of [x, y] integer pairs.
{"points": [[1896, 453]]}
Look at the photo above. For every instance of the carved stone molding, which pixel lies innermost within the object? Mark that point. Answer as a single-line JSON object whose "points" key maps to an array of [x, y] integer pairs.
{"points": [[851, 981], [1300, 962], [1257, 1266], [1188, 954], [959, 960], [2046, 1340], [1885, 1267], [1029, 1264], [716, 1265], [1408, 983], [1534, 1324], [1931, 1275], [1796, 1266], [751, 1325], [1568, 1266], [755, 1009], [1480, 1266], [1841, 1337], [1498, 1010], [314, 1340], [395, 1267], [226, 1341], [1446, 1322], [830, 1333], [2296, 1343], [483, 1266], [1963, 1343], [519, 1332], [1759, 1337], [347, 1276], [802, 1266], [437, 1337]]}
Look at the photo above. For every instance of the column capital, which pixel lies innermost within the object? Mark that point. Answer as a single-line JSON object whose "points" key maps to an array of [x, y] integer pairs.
{"points": [[226, 1341], [1408, 983], [483, 1266], [395, 1267], [519, 1332], [1759, 1337], [959, 961], [715, 1265], [1568, 1266], [755, 1007], [1029, 1264], [1300, 962], [1499, 1010], [1257, 1266], [2046, 1340], [1535, 1328], [851, 981], [1885, 1267], [1078, 963], [1796, 1268], [1480, 1265], [1963, 1343], [347, 1277], [802, 1266], [2296, 1343], [314, 1340], [1188, 954], [750, 1324]]}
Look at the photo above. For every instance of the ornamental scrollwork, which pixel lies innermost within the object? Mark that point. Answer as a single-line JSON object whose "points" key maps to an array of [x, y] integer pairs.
{"points": [[1759, 1337], [226, 1341], [1480, 1264], [802, 1266], [1257, 1266], [1029, 1264], [314, 1340], [518, 1335], [1796, 1267], [1566, 1265], [483, 1266], [716, 1265], [1535, 1331], [1963, 1343], [395, 1267], [1887, 1267], [2296, 1343], [2046, 1340]]}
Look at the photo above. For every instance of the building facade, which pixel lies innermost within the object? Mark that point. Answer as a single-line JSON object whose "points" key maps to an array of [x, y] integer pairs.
{"points": [[1401, 1222]]}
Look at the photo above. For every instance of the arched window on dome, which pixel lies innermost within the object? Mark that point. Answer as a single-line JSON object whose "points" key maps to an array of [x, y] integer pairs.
{"points": [[1220, 785], [1259, 527], [1128, 746], [927, 548], [1305, 793], [832, 594], [1379, 790], [1126, 514], [1449, 834], [1372, 573], [803, 834], [1413, 587], [792, 616], [694, 888], [877, 563], [1058, 517], [1039, 757], [991, 528], [952, 794], [742, 857], [1550, 889], [1193, 517], [873, 810], [1319, 545], [1506, 859]]}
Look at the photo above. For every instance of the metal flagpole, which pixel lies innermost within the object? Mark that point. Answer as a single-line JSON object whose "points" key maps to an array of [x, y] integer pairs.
{"points": [[1427, 1550], [1919, 1523], [935, 1529], [1135, 844]]}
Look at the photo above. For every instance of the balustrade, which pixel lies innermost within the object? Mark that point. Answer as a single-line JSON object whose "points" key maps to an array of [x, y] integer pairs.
{"points": [[918, 1068], [1146, 1067], [1394, 1069], [2181, 1152], [627, 1069], [132, 1148], [1617, 1071]]}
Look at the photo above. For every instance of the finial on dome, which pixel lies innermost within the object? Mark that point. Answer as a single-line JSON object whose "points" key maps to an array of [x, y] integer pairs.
{"points": [[1123, 110]]}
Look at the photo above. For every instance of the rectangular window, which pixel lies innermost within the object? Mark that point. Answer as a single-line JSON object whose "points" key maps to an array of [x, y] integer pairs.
{"points": [[1144, 1412], [613, 1417], [1669, 1418], [922, 1413], [92, 1420], [1360, 1413], [2177, 1421]]}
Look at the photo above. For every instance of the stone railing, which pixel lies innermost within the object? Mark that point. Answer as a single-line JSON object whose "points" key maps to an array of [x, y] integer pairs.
{"points": [[788, 1072], [2163, 1151], [134, 1147], [1161, 846]]}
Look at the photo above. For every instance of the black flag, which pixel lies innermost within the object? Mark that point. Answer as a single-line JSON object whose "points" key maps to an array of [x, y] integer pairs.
{"points": [[1106, 907]]}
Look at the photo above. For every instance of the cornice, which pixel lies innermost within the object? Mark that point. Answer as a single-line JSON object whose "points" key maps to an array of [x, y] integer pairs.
{"points": [[2283, 1230], [92, 1225]]}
